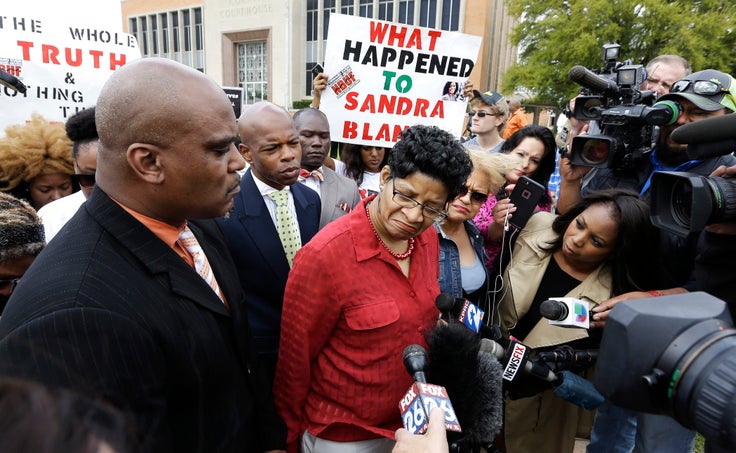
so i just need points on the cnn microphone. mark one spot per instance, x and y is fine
(422, 397)
(566, 312)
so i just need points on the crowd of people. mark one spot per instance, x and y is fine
(156, 295)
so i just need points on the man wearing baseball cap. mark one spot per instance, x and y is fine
(488, 115)
(701, 95)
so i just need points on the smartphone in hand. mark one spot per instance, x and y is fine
(525, 197)
(317, 69)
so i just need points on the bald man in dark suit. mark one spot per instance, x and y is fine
(123, 305)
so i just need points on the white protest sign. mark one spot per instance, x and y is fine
(385, 77)
(61, 56)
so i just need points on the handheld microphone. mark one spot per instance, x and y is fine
(421, 397)
(566, 312)
(460, 310)
(592, 81)
(565, 384)
(472, 379)
(516, 358)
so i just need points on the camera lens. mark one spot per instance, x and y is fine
(723, 192)
(595, 152)
(682, 196)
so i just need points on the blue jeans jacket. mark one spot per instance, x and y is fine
(450, 277)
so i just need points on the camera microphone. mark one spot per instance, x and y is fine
(592, 81)
(11, 82)
(709, 130)
(566, 312)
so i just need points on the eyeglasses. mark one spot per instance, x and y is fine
(483, 114)
(405, 201)
(475, 197)
(704, 87)
(9, 285)
(85, 180)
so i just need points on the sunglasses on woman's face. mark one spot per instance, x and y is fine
(475, 197)
(85, 180)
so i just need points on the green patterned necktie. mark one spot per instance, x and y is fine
(286, 225)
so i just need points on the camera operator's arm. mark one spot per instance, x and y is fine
(434, 441)
(601, 312)
(319, 83)
(571, 176)
(571, 181)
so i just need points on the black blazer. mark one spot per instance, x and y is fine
(260, 259)
(110, 310)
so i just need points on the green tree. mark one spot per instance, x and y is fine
(554, 36)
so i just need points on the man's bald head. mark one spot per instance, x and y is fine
(270, 144)
(167, 134)
(256, 119)
(146, 101)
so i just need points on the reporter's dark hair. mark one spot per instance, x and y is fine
(81, 128)
(549, 158)
(634, 256)
(434, 152)
(42, 420)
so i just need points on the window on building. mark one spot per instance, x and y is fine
(164, 19)
(198, 40)
(143, 39)
(154, 35)
(451, 15)
(312, 29)
(386, 10)
(176, 34)
(428, 13)
(366, 8)
(406, 11)
(253, 70)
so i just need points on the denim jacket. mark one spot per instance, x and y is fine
(450, 276)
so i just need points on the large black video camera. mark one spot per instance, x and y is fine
(683, 203)
(628, 117)
(673, 355)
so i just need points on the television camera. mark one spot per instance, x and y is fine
(673, 355)
(629, 117)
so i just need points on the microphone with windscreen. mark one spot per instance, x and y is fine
(11, 82)
(710, 137)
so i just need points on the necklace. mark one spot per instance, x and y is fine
(397, 256)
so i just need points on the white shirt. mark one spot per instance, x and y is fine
(54, 215)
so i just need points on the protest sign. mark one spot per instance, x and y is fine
(384, 77)
(61, 56)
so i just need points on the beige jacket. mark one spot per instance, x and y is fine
(524, 274)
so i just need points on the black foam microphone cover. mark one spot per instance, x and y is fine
(553, 309)
(472, 380)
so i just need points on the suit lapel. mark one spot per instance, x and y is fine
(153, 253)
